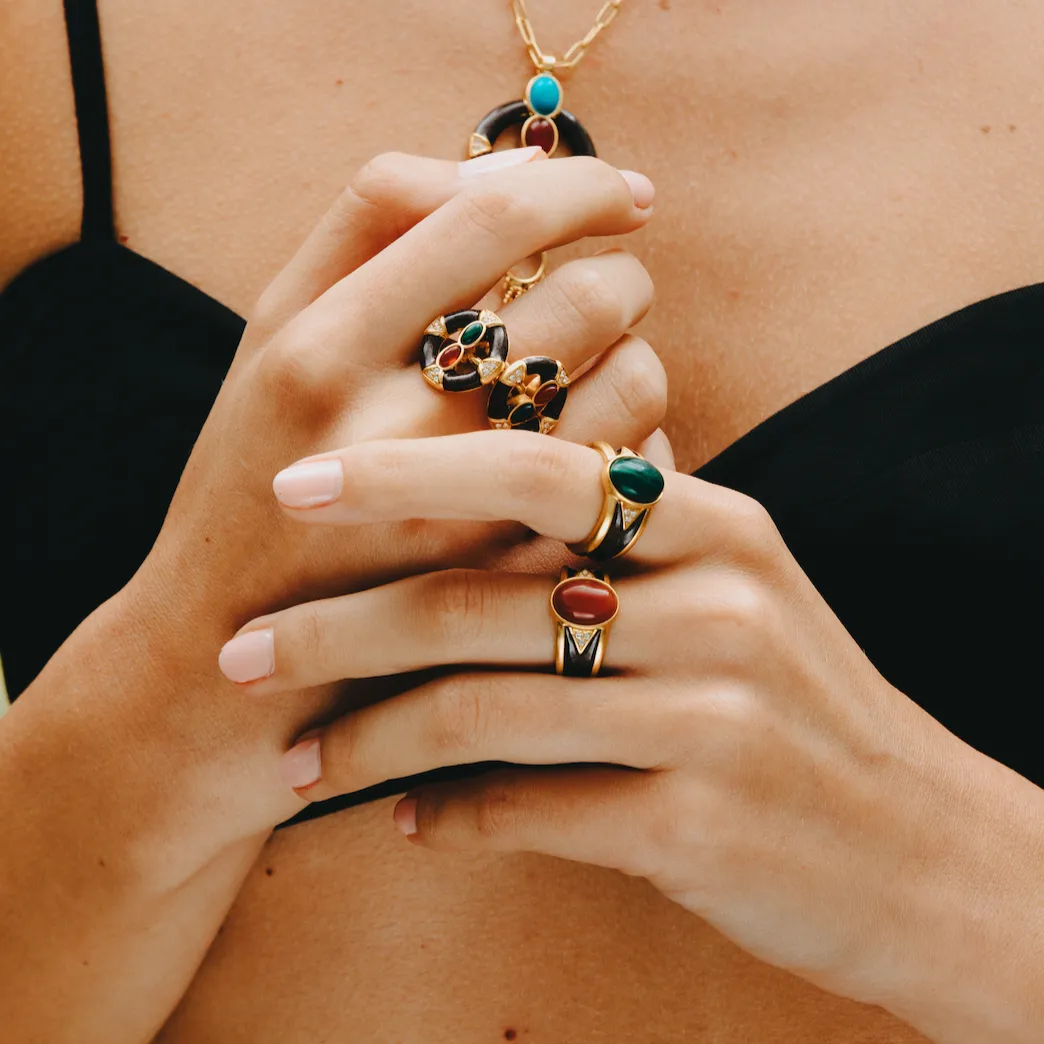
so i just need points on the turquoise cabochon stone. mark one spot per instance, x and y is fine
(635, 479)
(545, 95)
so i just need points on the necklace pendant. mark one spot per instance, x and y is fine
(541, 118)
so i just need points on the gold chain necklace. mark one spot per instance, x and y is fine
(543, 120)
(572, 58)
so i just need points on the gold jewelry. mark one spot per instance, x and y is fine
(464, 351)
(572, 58)
(632, 486)
(583, 605)
(515, 286)
(529, 395)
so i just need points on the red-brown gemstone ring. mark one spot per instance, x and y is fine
(583, 605)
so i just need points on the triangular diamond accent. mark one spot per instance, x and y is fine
(478, 145)
(582, 638)
(630, 515)
(547, 425)
(433, 375)
(489, 368)
(514, 374)
(437, 327)
(488, 318)
(500, 425)
(563, 379)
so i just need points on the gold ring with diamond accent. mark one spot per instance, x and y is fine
(583, 606)
(632, 486)
(515, 286)
(529, 395)
(464, 351)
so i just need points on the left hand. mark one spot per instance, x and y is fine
(741, 752)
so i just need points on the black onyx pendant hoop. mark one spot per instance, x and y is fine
(541, 118)
(631, 487)
(529, 396)
(464, 351)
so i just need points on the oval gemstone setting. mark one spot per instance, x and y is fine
(544, 95)
(472, 334)
(541, 132)
(583, 601)
(636, 480)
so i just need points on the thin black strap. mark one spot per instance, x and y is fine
(92, 118)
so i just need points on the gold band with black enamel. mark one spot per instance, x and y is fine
(632, 486)
(464, 351)
(583, 605)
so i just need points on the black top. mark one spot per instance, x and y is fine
(909, 488)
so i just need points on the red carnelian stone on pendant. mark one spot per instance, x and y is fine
(449, 357)
(584, 602)
(540, 132)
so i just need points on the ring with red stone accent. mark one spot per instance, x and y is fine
(464, 351)
(583, 605)
(632, 487)
(529, 395)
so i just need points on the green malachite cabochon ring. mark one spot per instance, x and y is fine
(632, 486)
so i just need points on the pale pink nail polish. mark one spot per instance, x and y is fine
(248, 657)
(642, 188)
(405, 816)
(309, 484)
(302, 764)
(472, 168)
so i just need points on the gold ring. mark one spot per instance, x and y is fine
(515, 286)
(464, 351)
(632, 486)
(583, 605)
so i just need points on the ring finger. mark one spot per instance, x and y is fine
(451, 618)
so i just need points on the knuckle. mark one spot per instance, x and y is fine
(295, 377)
(306, 641)
(499, 211)
(639, 383)
(538, 467)
(588, 295)
(453, 603)
(749, 520)
(738, 619)
(457, 716)
(496, 811)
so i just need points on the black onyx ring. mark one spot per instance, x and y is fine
(632, 486)
(529, 396)
(464, 351)
(583, 605)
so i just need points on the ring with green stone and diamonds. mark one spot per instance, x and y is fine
(464, 351)
(632, 486)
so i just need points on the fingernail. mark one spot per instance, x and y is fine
(405, 815)
(302, 764)
(310, 484)
(248, 657)
(472, 168)
(643, 190)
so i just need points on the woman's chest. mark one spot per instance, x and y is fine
(345, 932)
(804, 218)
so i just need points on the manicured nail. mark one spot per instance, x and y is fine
(248, 657)
(405, 815)
(303, 763)
(642, 188)
(472, 168)
(309, 484)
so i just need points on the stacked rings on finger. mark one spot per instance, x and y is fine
(631, 486)
(584, 606)
(468, 350)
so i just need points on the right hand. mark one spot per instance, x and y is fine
(329, 359)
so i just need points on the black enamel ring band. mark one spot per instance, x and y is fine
(632, 486)
(464, 351)
(583, 605)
